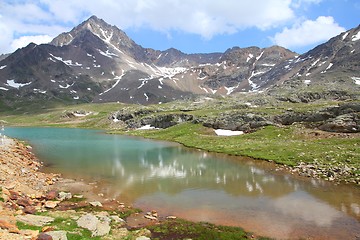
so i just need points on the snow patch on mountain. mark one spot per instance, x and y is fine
(356, 80)
(314, 63)
(117, 78)
(12, 83)
(258, 57)
(38, 91)
(142, 83)
(250, 56)
(146, 96)
(166, 72)
(2, 67)
(66, 86)
(107, 53)
(67, 62)
(355, 37)
(330, 65)
(268, 64)
(229, 90)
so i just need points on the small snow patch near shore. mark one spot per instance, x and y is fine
(223, 132)
(146, 127)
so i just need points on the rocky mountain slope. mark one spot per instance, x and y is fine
(97, 62)
(330, 70)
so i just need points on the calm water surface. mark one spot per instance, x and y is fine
(200, 186)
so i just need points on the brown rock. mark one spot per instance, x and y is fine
(13, 195)
(23, 202)
(51, 195)
(47, 229)
(29, 210)
(12, 228)
(44, 236)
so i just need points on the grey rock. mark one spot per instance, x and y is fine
(143, 238)
(88, 221)
(34, 220)
(117, 219)
(348, 123)
(64, 195)
(98, 227)
(57, 235)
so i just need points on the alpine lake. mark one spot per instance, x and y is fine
(198, 185)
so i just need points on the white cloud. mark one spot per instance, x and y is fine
(206, 18)
(308, 32)
(25, 40)
(202, 17)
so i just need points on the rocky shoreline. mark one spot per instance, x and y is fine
(31, 199)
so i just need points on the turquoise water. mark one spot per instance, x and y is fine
(198, 185)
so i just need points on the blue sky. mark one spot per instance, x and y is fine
(191, 26)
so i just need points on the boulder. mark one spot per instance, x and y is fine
(88, 221)
(34, 219)
(347, 123)
(236, 121)
(64, 195)
(57, 235)
(44, 236)
(98, 227)
(51, 204)
(29, 209)
(51, 195)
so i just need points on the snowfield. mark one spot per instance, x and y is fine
(224, 132)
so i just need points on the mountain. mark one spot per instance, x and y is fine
(97, 62)
(330, 68)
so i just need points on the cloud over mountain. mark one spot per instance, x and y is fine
(308, 32)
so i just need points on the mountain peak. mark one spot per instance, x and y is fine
(93, 23)
(97, 26)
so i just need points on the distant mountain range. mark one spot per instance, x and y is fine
(97, 62)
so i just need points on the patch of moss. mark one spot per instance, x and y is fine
(1, 196)
(182, 229)
(22, 225)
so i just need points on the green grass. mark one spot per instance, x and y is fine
(65, 224)
(1, 196)
(22, 225)
(285, 145)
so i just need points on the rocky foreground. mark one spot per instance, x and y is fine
(37, 205)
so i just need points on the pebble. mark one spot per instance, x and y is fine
(96, 204)
(51, 204)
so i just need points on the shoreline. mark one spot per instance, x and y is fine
(28, 193)
(26, 190)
